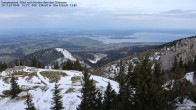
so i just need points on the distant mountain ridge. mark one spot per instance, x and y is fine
(91, 58)
(44, 56)
(184, 49)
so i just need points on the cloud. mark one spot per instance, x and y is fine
(180, 11)
(103, 14)
(53, 16)
(11, 15)
(170, 15)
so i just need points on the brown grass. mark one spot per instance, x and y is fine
(53, 76)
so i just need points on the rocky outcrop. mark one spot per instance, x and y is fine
(183, 48)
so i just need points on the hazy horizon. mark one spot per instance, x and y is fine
(104, 36)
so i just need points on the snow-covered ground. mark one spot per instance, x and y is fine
(41, 86)
(187, 105)
(66, 54)
(97, 57)
(112, 70)
(190, 77)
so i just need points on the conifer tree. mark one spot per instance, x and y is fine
(123, 89)
(109, 98)
(174, 65)
(76, 65)
(149, 91)
(130, 78)
(178, 72)
(64, 66)
(130, 85)
(89, 93)
(194, 64)
(159, 100)
(29, 103)
(181, 63)
(57, 103)
(99, 101)
(39, 64)
(69, 65)
(144, 85)
(86, 81)
(128, 98)
(158, 74)
(19, 62)
(34, 62)
(92, 95)
(15, 90)
(121, 75)
(3, 66)
(56, 65)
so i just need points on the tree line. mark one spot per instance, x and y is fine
(3, 66)
(67, 65)
(70, 65)
(141, 89)
(179, 68)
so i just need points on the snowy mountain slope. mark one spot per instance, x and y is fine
(97, 57)
(112, 69)
(40, 84)
(66, 53)
(48, 57)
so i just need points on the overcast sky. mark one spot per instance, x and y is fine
(104, 14)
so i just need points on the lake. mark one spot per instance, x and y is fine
(142, 37)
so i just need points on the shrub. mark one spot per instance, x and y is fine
(75, 78)
(7, 92)
(70, 90)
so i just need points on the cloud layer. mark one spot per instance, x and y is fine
(102, 14)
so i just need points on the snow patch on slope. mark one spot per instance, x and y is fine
(66, 54)
(97, 57)
(187, 105)
(190, 77)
